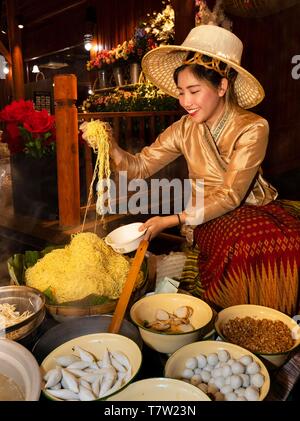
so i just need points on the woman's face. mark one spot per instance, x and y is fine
(199, 98)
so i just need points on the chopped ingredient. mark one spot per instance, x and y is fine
(9, 316)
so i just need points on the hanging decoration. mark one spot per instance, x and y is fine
(257, 8)
(205, 16)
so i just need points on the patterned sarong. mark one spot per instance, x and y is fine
(250, 255)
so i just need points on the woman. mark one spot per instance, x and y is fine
(248, 243)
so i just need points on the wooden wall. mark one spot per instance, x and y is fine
(269, 45)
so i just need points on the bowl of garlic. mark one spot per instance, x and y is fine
(169, 321)
(224, 371)
(90, 367)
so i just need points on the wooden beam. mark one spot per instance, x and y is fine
(65, 96)
(15, 51)
(5, 53)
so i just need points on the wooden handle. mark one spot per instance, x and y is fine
(128, 287)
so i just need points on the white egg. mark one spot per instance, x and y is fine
(191, 363)
(187, 373)
(235, 381)
(201, 360)
(230, 361)
(246, 359)
(205, 376)
(251, 394)
(196, 379)
(231, 396)
(197, 370)
(253, 368)
(240, 391)
(226, 371)
(212, 359)
(257, 380)
(226, 389)
(208, 368)
(217, 372)
(227, 380)
(220, 382)
(241, 398)
(246, 379)
(211, 381)
(237, 368)
(223, 356)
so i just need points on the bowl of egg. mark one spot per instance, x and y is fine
(224, 371)
(90, 367)
(266, 332)
(169, 321)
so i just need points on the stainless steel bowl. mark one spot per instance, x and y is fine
(24, 298)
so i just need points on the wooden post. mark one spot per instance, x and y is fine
(65, 95)
(184, 18)
(14, 37)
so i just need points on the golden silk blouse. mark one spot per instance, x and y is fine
(227, 157)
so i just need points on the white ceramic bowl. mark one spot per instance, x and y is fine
(19, 365)
(96, 344)
(145, 310)
(176, 362)
(260, 312)
(125, 239)
(160, 389)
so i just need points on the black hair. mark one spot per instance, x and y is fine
(210, 75)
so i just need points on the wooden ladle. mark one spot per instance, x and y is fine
(123, 301)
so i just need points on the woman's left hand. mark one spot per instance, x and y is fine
(155, 225)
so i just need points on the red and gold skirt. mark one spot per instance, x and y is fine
(250, 255)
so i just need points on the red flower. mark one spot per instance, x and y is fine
(38, 122)
(11, 136)
(17, 111)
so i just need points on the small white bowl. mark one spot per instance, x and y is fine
(125, 239)
(176, 363)
(146, 307)
(160, 389)
(260, 312)
(96, 344)
(19, 365)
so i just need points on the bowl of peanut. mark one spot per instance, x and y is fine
(266, 332)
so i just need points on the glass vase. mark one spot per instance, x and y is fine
(135, 71)
(118, 75)
(102, 78)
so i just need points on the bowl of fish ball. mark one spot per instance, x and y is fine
(169, 321)
(22, 310)
(20, 377)
(222, 370)
(160, 389)
(90, 367)
(266, 332)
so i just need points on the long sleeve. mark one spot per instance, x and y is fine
(152, 158)
(239, 175)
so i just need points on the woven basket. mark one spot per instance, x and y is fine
(256, 8)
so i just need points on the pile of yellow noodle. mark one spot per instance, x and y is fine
(86, 266)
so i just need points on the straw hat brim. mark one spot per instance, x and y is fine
(160, 63)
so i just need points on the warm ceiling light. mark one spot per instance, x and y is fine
(6, 69)
(35, 69)
(88, 38)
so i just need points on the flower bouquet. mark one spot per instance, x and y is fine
(28, 130)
